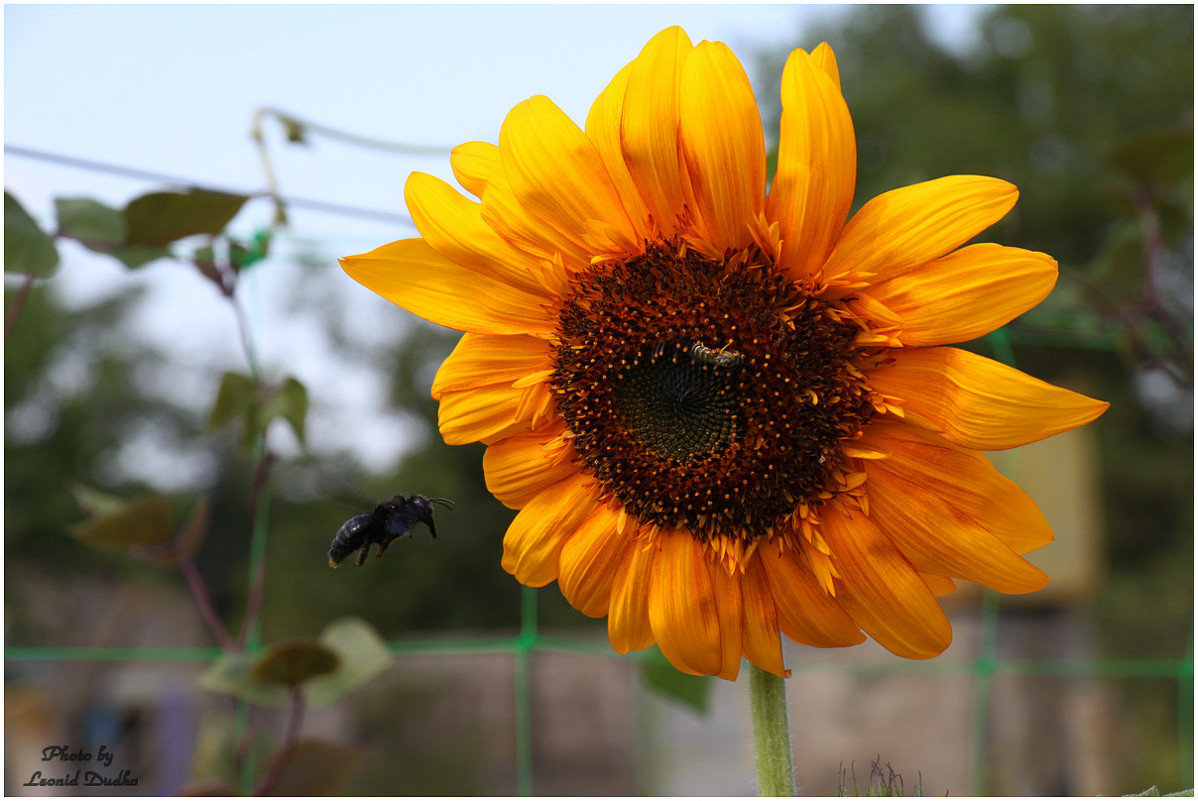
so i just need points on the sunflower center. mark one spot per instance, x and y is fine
(704, 394)
(680, 402)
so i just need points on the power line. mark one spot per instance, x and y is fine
(157, 177)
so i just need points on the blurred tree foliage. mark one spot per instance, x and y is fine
(73, 400)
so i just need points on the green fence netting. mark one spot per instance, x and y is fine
(983, 668)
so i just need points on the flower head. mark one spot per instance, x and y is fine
(725, 413)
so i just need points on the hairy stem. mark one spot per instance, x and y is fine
(771, 733)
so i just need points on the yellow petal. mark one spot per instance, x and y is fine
(503, 212)
(939, 585)
(881, 589)
(628, 616)
(411, 274)
(453, 226)
(682, 610)
(964, 478)
(909, 227)
(806, 614)
(559, 178)
(481, 414)
(762, 645)
(523, 465)
(979, 403)
(603, 128)
(590, 560)
(825, 59)
(723, 145)
(967, 294)
(937, 537)
(476, 165)
(817, 165)
(534, 541)
(482, 359)
(649, 127)
(729, 606)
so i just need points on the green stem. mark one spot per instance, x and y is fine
(771, 733)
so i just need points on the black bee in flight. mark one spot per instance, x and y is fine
(389, 520)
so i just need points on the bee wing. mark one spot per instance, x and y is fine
(401, 520)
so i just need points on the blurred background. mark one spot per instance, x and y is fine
(116, 380)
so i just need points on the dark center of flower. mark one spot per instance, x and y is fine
(705, 394)
(680, 402)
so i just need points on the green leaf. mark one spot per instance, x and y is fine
(363, 656)
(293, 662)
(159, 218)
(235, 400)
(290, 402)
(95, 225)
(317, 768)
(144, 521)
(139, 255)
(184, 544)
(359, 653)
(667, 681)
(241, 398)
(103, 230)
(27, 248)
(95, 503)
(230, 675)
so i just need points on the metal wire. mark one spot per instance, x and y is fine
(322, 206)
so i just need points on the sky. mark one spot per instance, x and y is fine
(173, 89)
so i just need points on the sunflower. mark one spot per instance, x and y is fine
(726, 413)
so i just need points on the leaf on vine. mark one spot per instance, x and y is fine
(292, 662)
(97, 226)
(290, 402)
(363, 656)
(160, 218)
(141, 522)
(27, 248)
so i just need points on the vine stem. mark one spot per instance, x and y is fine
(18, 302)
(294, 722)
(199, 591)
(771, 733)
(345, 136)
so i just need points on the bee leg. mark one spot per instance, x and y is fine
(362, 555)
(432, 529)
(382, 547)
